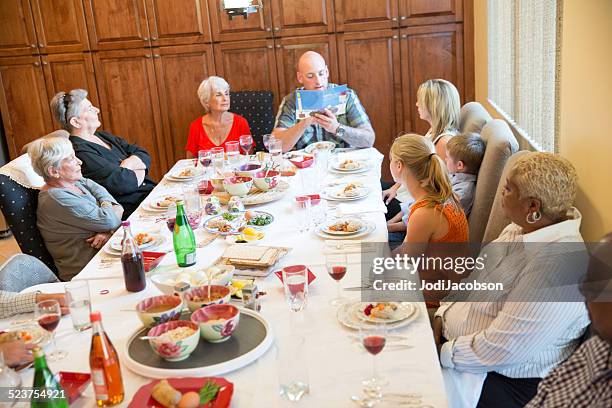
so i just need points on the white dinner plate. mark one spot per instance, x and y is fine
(346, 315)
(115, 244)
(336, 194)
(361, 165)
(404, 311)
(177, 174)
(320, 146)
(370, 227)
(160, 203)
(326, 229)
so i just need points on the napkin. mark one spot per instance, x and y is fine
(360, 208)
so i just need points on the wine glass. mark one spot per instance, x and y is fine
(232, 149)
(275, 147)
(218, 157)
(303, 206)
(266, 140)
(171, 216)
(48, 314)
(246, 145)
(336, 265)
(373, 338)
(295, 282)
(205, 158)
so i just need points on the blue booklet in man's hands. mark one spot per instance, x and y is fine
(308, 103)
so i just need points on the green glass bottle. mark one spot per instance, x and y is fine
(183, 238)
(45, 383)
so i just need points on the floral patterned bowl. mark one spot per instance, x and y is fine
(174, 350)
(217, 322)
(198, 297)
(266, 180)
(159, 309)
(238, 186)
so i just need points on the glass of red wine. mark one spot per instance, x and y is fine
(336, 264)
(373, 338)
(246, 145)
(171, 216)
(48, 314)
(205, 159)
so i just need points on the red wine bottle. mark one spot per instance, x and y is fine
(132, 261)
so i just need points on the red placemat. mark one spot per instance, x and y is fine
(143, 397)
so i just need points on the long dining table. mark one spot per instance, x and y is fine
(336, 362)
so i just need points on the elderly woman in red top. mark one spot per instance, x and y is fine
(218, 126)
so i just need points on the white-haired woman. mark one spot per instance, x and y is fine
(518, 336)
(217, 126)
(75, 215)
(120, 167)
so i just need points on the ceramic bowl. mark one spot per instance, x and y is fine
(216, 322)
(167, 308)
(197, 297)
(248, 170)
(238, 186)
(174, 350)
(264, 181)
(166, 281)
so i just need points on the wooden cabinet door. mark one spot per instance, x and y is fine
(64, 72)
(60, 25)
(248, 65)
(129, 101)
(174, 22)
(23, 101)
(289, 50)
(255, 26)
(116, 24)
(17, 35)
(179, 71)
(358, 15)
(302, 17)
(429, 52)
(370, 64)
(422, 12)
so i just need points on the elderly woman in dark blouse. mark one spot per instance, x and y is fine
(75, 215)
(108, 160)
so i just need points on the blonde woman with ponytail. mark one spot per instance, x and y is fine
(438, 104)
(436, 215)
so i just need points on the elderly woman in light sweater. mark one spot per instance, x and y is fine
(75, 215)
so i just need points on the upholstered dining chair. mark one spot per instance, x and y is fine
(500, 145)
(13, 278)
(473, 117)
(18, 202)
(257, 108)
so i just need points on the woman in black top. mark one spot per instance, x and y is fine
(110, 161)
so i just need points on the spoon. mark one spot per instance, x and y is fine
(148, 337)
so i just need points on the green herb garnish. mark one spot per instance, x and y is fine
(208, 392)
(260, 220)
(229, 216)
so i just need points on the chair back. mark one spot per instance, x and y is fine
(22, 271)
(257, 108)
(473, 117)
(18, 203)
(500, 145)
(497, 220)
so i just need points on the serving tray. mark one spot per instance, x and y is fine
(250, 340)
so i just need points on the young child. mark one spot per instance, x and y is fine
(435, 214)
(464, 154)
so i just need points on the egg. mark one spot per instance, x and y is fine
(248, 215)
(190, 399)
(249, 231)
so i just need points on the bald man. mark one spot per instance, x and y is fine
(351, 129)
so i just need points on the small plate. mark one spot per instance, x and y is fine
(115, 244)
(32, 333)
(235, 224)
(143, 398)
(404, 311)
(320, 146)
(346, 316)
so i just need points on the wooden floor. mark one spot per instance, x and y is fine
(8, 248)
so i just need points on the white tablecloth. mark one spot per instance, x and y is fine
(336, 363)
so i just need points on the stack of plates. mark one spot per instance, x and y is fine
(351, 315)
(113, 247)
(359, 229)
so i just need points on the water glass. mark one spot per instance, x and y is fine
(309, 180)
(295, 283)
(79, 303)
(276, 151)
(266, 140)
(233, 152)
(218, 158)
(193, 206)
(292, 361)
(303, 209)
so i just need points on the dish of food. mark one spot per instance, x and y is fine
(344, 227)
(166, 201)
(218, 275)
(349, 165)
(320, 146)
(30, 333)
(208, 392)
(348, 314)
(350, 191)
(143, 240)
(383, 312)
(235, 223)
(258, 218)
(322, 232)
